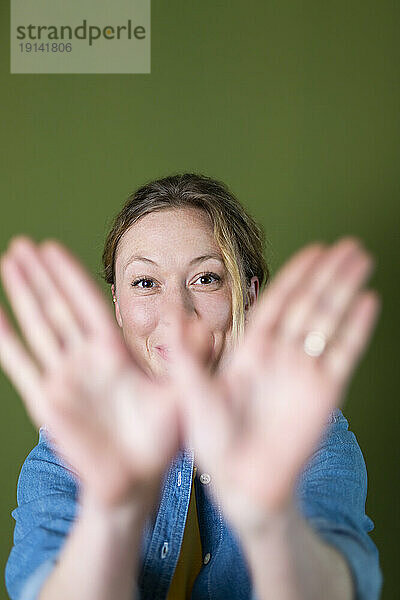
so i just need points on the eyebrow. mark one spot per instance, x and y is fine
(194, 261)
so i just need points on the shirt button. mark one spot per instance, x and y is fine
(206, 558)
(205, 478)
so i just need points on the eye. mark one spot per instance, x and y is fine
(144, 279)
(209, 276)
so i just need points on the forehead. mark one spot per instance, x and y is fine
(181, 230)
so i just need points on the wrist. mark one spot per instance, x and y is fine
(257, 524)
(124, 516)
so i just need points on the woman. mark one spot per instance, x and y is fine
(179, 457)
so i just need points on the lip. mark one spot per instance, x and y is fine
(164, 352)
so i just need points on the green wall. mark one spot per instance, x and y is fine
(294, 104)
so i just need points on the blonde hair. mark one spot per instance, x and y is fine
(240, 239)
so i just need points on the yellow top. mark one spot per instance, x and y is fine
(190, 557)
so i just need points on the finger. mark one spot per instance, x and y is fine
(52, 302)
(288, 278)
(21, 370)
(205, 417)
(342, 355)
(327, 310)
(200, 341)
(273, 300)
(32, 322)
(78, 287)
(316, 286)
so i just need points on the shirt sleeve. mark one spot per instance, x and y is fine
(332, 491)
(47, 503)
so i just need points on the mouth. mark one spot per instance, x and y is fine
(164, 352)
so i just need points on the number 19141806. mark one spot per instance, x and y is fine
(46, 47)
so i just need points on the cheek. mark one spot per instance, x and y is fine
(217, 314)
(218, 317)
(139, 318)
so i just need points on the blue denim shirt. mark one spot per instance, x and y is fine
(330, 491)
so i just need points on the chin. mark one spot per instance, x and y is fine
(158, 370)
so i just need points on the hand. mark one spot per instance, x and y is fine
(254, 425)
(114, 426)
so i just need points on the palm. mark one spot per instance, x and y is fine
(101, 411)
(281, 407)
(255, 424)
(114, 426)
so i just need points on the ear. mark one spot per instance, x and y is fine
(116, 306)
(251, 297)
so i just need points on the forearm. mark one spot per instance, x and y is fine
(289, 561)
(99, 558)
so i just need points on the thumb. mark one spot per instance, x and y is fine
(191, 342)
(191, 350)
(199, 340)
(201, 401)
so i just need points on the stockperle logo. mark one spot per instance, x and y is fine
(85, 36)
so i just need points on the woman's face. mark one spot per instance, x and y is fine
(171, 257)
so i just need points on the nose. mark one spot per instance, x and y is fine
(180, 311)
(179, 305)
